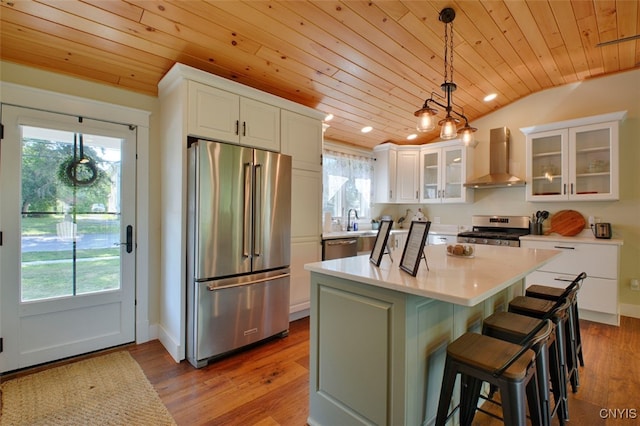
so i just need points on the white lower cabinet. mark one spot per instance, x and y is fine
(398, 242)
(437, 239)
(598, 296)
(306, 247)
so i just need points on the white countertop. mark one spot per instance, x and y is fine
(463, 281)
(438, 229)
(355, 234)
(586, 237)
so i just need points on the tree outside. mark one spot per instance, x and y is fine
(58, 189)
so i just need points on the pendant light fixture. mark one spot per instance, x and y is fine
(427, 114)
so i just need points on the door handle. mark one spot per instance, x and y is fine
(129, 240)
(257, 214)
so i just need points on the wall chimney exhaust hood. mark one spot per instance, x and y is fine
(499, 175)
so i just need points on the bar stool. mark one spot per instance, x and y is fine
(553, 293)
(510, 367)
(513, 328)
(540, 308)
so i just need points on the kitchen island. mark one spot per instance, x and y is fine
(379, 335)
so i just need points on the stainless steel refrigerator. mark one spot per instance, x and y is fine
(238, 253)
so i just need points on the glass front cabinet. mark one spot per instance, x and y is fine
(573, 160)
(444, 172)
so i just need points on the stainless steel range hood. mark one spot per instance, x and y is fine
(499, 175)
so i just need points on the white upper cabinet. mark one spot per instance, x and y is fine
(444, 170)
(385, 173)
(302, 139)
(225, 116)
(433, 173)
(574, 160)
(407, 175)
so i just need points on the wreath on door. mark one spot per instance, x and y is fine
(78, 169)
(75, 171)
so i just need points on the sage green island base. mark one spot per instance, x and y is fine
(379, 335)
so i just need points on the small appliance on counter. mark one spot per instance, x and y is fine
(601, 230)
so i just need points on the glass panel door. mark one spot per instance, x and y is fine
(70, 227)
(592, 165)
(547, 164)
(430, 175)
(453, 183)
(67, 210)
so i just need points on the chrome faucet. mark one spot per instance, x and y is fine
(349, 225)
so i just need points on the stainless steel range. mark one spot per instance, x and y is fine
(496, 230)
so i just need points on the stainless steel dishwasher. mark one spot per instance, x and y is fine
(339, 248)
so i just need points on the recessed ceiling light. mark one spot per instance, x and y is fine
(412, 136)
(490, 97)
(366, 129)
(328, 117)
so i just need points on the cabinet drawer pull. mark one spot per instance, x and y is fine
(566, 280)
(564, 247)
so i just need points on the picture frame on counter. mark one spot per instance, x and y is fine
(414, 248)
(381, 247)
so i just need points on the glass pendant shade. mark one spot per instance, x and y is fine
(448, 130)
(426, 119)
(467, 135)
(467, 138)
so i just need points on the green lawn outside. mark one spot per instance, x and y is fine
(49, 274)
(55, 279)
(45, 224)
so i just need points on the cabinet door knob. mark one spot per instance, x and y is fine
(237, 127)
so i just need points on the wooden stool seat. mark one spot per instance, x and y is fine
(508, 366)
(554, 293)
(544, 292)
(488, 354)
(513, 328)
(538, 308)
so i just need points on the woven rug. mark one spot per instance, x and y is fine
(107, 390)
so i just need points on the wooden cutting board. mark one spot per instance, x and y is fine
(566, 223)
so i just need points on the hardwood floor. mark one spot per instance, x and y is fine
(267, 385)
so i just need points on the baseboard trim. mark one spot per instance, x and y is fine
(169, 344)
(294, 316)
(629, 310)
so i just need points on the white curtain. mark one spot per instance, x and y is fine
(347, 183)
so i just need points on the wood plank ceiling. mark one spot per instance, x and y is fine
(366, 62)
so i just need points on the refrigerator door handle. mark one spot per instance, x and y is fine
(259, 280)
(257, 224)
(246, 228)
